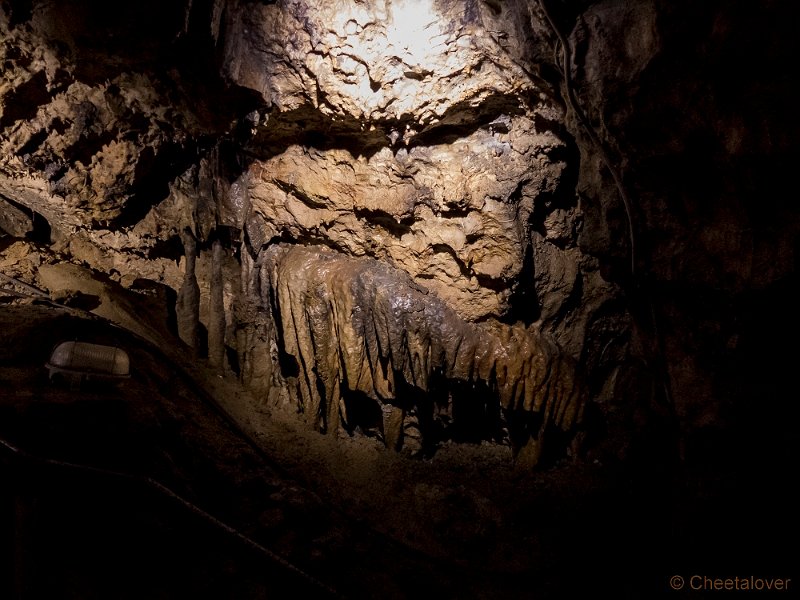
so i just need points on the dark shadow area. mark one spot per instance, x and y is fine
(24, 100)
(153, 174)
(525, 305)
(309, 127)
(84, 533)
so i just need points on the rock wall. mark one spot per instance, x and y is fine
(681, 114)
(425, 145)
(588, 172)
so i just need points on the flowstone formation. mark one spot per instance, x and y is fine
(409, 143)
(426, 149)
(358, 325)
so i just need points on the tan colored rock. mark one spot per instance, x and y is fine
(401, 132)
(401, 60)
(427, 153)
(454, 216)
(355, 324)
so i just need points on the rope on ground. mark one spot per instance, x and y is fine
(180, 500)
(27, 287)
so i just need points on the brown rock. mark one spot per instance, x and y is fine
(357, 325)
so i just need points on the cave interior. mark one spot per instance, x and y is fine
(456, 298)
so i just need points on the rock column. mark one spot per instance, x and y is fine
(187, 308)
(216, 315)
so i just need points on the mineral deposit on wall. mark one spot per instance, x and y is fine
(407, 144)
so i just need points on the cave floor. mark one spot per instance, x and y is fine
(325, 516)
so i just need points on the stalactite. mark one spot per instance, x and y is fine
(216, 319)
(359, 325)
(187, 308)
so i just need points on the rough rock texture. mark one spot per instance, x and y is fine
(100, 113)
(372, 62)
(611, 173)
(463, 232)
(425, 144)
(604, 187)
(356, 325)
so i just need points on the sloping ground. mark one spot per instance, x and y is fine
(114, 532)
(350, 516)
(99, 535)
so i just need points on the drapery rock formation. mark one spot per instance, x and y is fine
(357, 325)
(586, 169)
(463, 232)
(409, 134)
(425, 145)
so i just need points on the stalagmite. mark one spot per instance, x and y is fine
(187, 308)
(216, 319)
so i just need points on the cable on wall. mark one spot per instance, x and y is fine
(572, 102)
(566, 59)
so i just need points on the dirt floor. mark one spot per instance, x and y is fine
(176, 484)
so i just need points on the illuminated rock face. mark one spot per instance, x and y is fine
(448, 142)
(456, 216)
(433, 137)
(402, 134)
(358, 325)
(428, 148)
(408, 61)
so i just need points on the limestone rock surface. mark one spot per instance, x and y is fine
(456, 216)
(358, 325)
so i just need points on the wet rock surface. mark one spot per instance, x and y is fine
(611, 176)
(356, 325)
